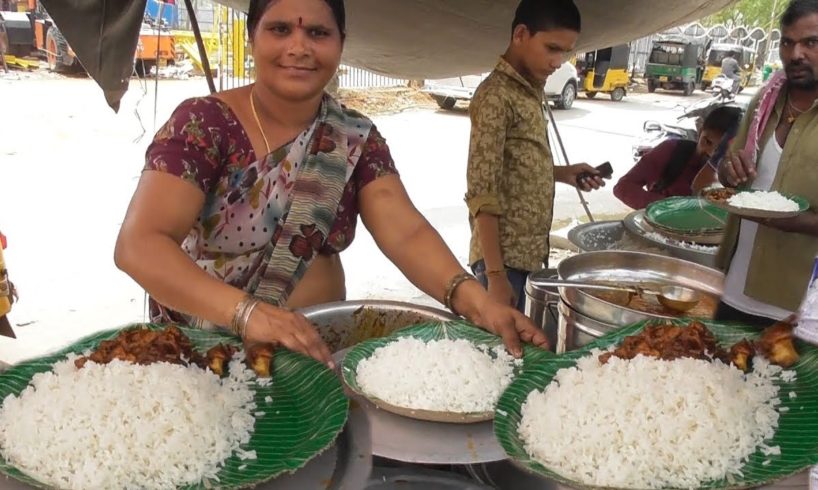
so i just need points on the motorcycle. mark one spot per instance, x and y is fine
(686, 127)
(722, 88)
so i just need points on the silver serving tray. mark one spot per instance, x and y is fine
(636, 224)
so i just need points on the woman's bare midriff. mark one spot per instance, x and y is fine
(322, 283)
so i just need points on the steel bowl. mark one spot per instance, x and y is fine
(346, 323)
(631, 267)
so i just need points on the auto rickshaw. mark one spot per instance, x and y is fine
(606, 71)
(675, 64)
(744, 55)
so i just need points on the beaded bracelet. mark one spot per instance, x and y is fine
(454, 283)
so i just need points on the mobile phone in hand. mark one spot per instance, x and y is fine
(605, 171)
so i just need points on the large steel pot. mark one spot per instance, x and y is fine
(577, 330)
(630, 267)
(541, 303)
(346, 323)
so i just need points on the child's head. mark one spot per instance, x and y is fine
(543, 33)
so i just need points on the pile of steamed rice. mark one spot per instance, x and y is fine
(649, 423)
(439, 375)
(764, 201)
(128, 426)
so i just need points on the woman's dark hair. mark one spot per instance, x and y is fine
(798, 9)
(724, 120)
(258, 7)
(547, 15)
(681, 154)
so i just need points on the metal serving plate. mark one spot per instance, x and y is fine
(636, 224)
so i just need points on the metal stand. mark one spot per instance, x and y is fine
(550, 116)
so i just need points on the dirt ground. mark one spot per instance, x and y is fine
(387, 100)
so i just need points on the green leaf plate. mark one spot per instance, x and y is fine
(427, 332)
(307, 413)
(803, 206)
(686, 215)
(797, 433)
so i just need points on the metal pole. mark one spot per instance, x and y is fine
(565, 159)
(768, 49)
(194, 24)
(158, 51)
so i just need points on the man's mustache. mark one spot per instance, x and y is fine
(792, 65)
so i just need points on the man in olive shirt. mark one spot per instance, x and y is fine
(511, 175)
(769, 261)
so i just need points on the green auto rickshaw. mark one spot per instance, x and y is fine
(675, 64)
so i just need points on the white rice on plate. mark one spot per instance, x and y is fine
(650, 423)
(763, 201)
(441, 375)
(127, 426)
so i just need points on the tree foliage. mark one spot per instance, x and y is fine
(749, 13)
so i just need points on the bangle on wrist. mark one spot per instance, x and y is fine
(452, 286)
(241, 315)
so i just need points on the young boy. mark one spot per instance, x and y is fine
(511, 175)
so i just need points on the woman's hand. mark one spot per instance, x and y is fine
(478, 307)
(277, 326)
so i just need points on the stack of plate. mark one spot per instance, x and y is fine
(687, 219)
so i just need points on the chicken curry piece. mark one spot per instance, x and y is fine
(776, 344)
(144, 346)
(670, 342)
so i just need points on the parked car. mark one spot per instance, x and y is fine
(560, 88)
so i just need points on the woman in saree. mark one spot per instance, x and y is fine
(249, 195)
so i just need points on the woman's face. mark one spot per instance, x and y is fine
(708, 142)
(297, 48)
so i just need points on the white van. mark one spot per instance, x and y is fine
(560, 88)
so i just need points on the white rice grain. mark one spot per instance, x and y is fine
(762, 200)
(127, 426)
(649, 423)
(441, 375)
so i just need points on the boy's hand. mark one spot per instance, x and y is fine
(580, 175)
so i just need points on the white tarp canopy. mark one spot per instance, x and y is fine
(430, 39)
(419, 39)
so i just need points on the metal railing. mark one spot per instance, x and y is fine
(358, 78)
